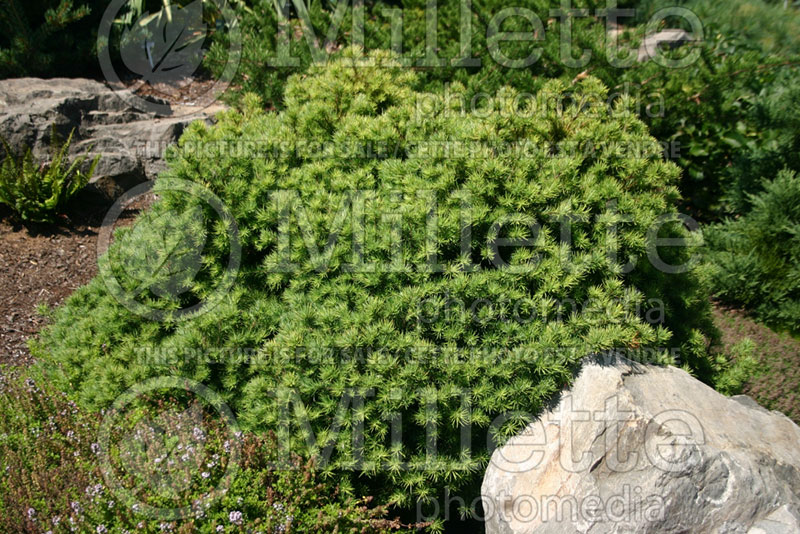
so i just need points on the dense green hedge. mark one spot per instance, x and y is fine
(415, 341)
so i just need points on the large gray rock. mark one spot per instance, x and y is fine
(634, 448)
(131, 142)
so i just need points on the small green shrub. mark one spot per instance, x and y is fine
(52, 478)
(737, 367)
(755, 259)
(369, 317)
(774, 383)
(37, 192)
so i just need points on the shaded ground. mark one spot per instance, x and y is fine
(777, 385)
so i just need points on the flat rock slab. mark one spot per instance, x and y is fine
(646, 449)
(131, 142)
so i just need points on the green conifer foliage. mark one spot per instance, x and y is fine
(755, 260)
(411, 312)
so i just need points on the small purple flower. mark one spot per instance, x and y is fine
(101, 529)
(31, 385)
(205, 474)
(31, 514)
(95, 448)
(94, 491)
(235, 517)
(220, 528)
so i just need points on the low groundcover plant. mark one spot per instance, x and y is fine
(53, 481)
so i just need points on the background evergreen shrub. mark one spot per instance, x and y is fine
(405, 338)
(49, 37)
(755, 259)
(774, 114)
(767, 24)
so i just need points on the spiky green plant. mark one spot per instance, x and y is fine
(755, 259)
(38, 192)
(376, 291)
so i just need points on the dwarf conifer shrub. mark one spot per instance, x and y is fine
(699, 111)
(412, 282)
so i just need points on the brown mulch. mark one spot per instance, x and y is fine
(186, 97)
(777, 384)
(44, 264)
(40, 264)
